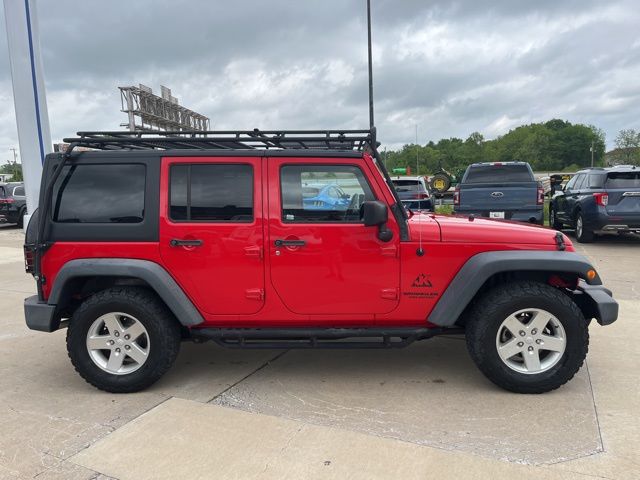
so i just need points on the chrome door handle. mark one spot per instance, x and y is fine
(185, 243)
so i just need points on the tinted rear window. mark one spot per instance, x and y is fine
(2, 194)
(623, 180)
(212, 193)
(408, 186)
(88, 193)
(498, 173)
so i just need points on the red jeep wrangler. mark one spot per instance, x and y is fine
(290, 239)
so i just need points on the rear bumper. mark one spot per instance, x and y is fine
(529, 215)
(40, 316)
(603, 221)
(597, 302)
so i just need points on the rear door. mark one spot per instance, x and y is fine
(323, 260)
(211, 231)
(623, 189)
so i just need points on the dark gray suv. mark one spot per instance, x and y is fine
(598, 200)
(13, 203)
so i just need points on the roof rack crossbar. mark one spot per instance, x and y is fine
(225, 140)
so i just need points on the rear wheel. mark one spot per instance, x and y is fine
(21, 217)
(583, 234)
(527, 337)
(122, 339)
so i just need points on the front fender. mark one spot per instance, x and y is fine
(479, 268)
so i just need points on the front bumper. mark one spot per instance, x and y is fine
(597, 302)
(40, 315)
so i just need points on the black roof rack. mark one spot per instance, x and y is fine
(227, 140)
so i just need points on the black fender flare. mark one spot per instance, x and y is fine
(479, 268)
(150, 272)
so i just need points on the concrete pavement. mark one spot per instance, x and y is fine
(422, 412)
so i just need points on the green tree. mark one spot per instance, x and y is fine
(13, 168)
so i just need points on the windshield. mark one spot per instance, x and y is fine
(623, 180)
(497, 173)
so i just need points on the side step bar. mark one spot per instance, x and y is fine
(285, 338)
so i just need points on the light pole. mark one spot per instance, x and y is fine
(417, 164)
(591, 153)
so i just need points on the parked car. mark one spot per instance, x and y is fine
(207, 238)
(500, 190)
(325, 197)
(414, 193)
(598, 200)
(13, 203)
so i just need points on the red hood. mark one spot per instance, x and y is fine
(482, 230)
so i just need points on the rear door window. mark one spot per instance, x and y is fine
(498, 173)
(93, 193)
(211, 193)
(18, 192)
(579, 182)
(623, 180)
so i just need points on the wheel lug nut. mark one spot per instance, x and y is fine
(531, 349)
(127, 337)
(127, 347)
(117, 334)
(118, 350)
(534, 331)
(111, 342)
(539, 342)
(522, 333)
(520, 344)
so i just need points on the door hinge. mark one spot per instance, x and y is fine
(254, 251)
(254, 293)
(389, 251)
(389, 293)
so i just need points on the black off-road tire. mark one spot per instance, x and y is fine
(583, 235)
(553, 219)
(162, 327)
(488, 313)
(440, 176)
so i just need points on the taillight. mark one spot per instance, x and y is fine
(421, 195)
(602, 199)
(540, 195)
(6, 200)
(29, 259)
(456, 196)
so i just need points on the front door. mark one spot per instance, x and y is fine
(323, 260)
(211, 231)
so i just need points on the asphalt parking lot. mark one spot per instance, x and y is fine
(421, 412)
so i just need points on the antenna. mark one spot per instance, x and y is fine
(371, 122)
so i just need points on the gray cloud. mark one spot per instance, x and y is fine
(449, 67)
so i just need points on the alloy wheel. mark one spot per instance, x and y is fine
(118, 343)
(531, 341)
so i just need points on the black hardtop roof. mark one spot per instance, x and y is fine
(245, 142)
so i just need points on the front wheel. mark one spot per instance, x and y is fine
(122, 339)
(527, 337)
(553, 219)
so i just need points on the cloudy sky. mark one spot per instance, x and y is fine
(450, 67)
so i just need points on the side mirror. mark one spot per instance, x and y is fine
(374, 213)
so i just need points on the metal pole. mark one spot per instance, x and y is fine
(371, 122)
(591, 153)
(417, 164)
(29, 96)
(15, 156)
